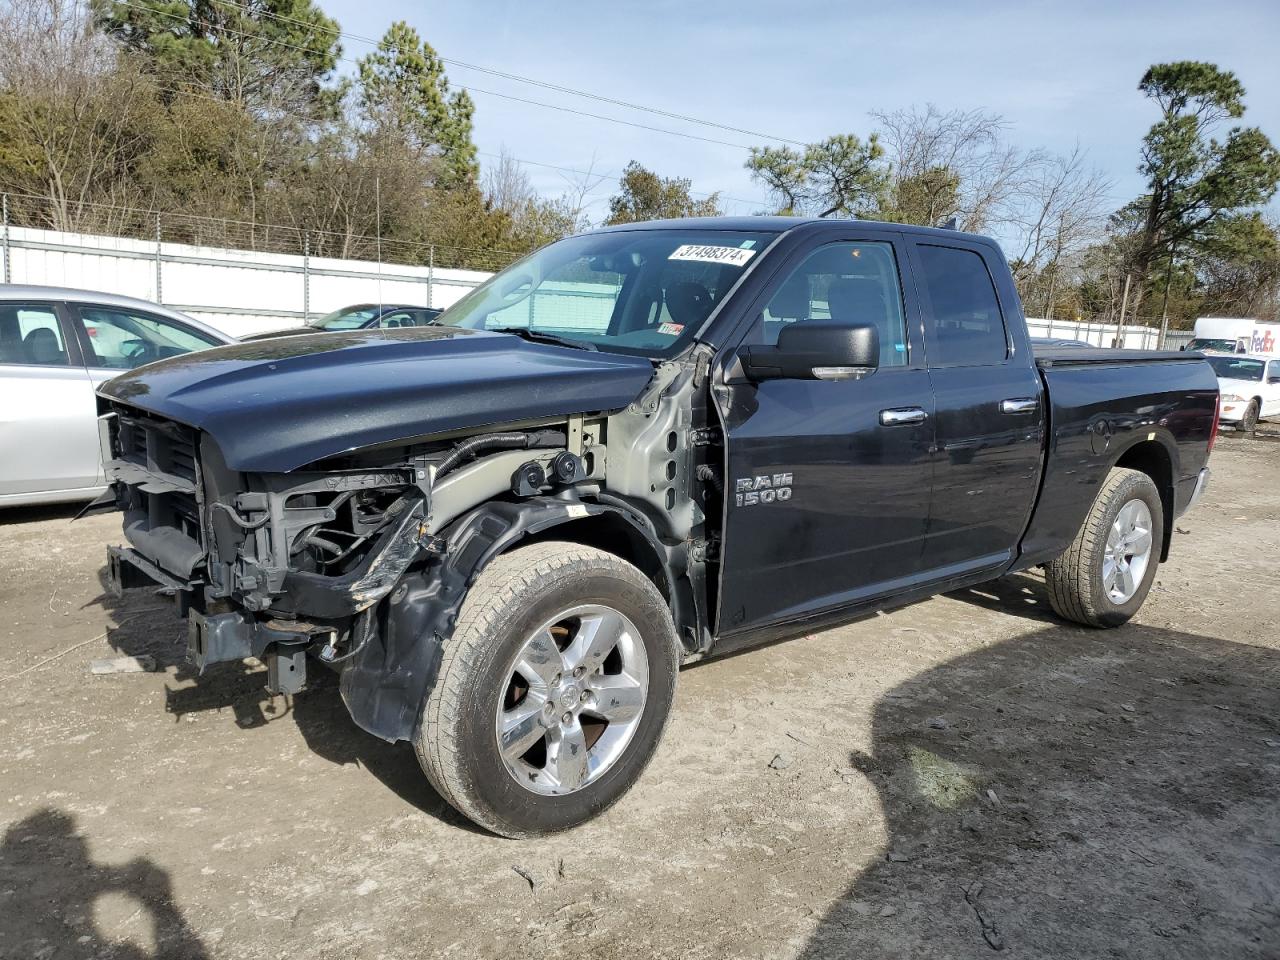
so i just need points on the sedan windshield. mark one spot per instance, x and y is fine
(348, 318)
(1216, 345)
(1236, 368)
(644, 292)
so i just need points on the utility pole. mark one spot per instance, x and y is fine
(8, 254)
(1124, 308)
(159, 263)
(306, 276)
(1164, 313)
(1048, 307)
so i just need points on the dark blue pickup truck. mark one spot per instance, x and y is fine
(635, 448)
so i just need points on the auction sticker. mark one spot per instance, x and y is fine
(735, 256)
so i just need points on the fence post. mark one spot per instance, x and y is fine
(159, 265)
(431, 274)
(8, 254)
(306, 277)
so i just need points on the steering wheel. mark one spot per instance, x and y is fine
(137, 352)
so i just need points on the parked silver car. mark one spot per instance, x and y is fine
(56, 346)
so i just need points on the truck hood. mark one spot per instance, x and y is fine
(277, 405)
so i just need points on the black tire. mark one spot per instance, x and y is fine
(1074, 579)
(456, 740)
(1249, 422)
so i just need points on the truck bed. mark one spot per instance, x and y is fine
(1047, 357)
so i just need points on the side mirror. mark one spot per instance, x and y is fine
(816, 350)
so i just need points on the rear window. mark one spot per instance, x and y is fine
(966, 324)
(31, 336)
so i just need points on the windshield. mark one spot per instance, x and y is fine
(1212, 344)
(348, 318)
(644, 292)
(1236, 368)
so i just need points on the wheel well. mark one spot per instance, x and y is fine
(611, 533)
(1150, 457)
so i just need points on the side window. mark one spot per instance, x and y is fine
(30, 335)
(122, 339)
(849, 282)
(965, 319)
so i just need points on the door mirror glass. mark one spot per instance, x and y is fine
(816, 350)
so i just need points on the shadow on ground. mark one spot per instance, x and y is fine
(1073, 793)
(56, 901)
(147, 626)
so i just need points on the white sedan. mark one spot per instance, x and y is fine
(1249, 388)
(56, 346)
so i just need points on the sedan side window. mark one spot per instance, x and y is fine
(847, 282)
(123, 339)
(30, 335)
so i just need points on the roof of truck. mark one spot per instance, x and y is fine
(781, 224)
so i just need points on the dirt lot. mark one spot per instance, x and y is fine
(951, 779)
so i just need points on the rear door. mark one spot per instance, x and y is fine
(48, 423)
(828, 492)
(989, 408)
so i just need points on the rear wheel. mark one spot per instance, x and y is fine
(553, 690)
(1249, 422)
(1104, 576)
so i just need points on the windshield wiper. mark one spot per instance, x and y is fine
(537, 336)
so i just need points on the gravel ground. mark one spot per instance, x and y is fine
(959, 777)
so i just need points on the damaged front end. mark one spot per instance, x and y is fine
(263, 565)
(286, 566)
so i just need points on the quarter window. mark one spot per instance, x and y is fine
(30, 335)
(847, 282)
(966, 325)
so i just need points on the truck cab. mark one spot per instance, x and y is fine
(637, 448)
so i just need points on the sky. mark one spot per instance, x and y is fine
(1060, 74)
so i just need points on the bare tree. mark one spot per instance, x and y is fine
(1059, 210)
(75, 111)
(954, 164)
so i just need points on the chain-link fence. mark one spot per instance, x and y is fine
(239, 276)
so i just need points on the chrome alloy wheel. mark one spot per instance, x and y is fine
(574, 697)
(1128, 552)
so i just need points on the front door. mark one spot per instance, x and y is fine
(990, 410)
(828, 491)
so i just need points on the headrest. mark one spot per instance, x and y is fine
(42, 346)
(688, 303)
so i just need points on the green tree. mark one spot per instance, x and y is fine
(643, 195)
(1239, 269)
(1194, 178)
(404, 93)
(839, 175)
(274, 56)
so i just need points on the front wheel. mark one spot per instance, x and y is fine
(1105, 575)
(553, 690)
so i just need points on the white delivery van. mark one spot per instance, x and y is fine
(1249, 389)
(1236, 335)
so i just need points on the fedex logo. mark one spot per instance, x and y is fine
(1262, 342)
